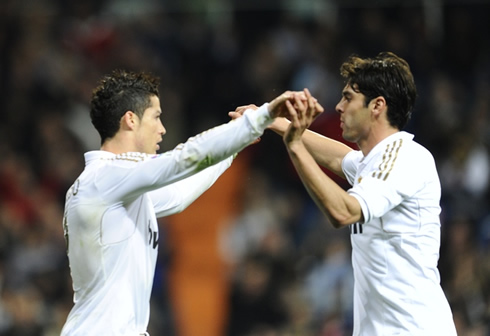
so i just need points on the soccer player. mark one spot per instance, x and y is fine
(111, 210)
(392, 208)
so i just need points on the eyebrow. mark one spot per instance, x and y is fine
(347, 93)
(350, 91)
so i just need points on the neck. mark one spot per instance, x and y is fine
(118, 145)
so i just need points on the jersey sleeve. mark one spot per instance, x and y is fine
(175, 197)
(132, 174)
(349, 165)
(387, 185)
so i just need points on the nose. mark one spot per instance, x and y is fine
(338, 107)
(162, 130)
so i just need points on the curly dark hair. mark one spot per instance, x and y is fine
(386, 75)
(117, 93)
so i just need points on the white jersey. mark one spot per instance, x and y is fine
(111, 227)
(396, 250)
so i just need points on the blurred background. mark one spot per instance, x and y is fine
(253, 256)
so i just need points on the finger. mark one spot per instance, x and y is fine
(311, 104)
(308, 100)
(316, 107)
(300, 95)
(309, 97)
(286, 96)
(234, 115)
(298, 103)
(252, 107)
(276, 106)
(242, 109)
(293, 114)
(319, 108)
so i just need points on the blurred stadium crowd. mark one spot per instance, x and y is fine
(289, 272)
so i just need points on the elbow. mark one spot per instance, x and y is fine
(349, 214)
(336, 225)
(343, 213)
(339, 221)
(336, 218)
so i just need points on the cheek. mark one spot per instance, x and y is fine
(348, 115)
(155, 126)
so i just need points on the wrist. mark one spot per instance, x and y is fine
(280, 125)
(260, 118)
(294, 146)
(269, 110)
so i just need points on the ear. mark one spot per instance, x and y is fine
(129, 120)
(378, 106)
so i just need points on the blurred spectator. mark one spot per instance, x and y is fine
(329, 286)
(255, 306)
(464, 277)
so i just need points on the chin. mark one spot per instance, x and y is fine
(348, 137)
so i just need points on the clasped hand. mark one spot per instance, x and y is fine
(300, 107)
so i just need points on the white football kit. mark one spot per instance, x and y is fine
(111, 227)
(395, 250)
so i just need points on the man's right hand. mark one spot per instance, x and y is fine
(277, 107)
(302, 115)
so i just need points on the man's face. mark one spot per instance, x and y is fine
(354, 115)
(150, 129)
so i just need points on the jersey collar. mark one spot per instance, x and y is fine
(97, 155)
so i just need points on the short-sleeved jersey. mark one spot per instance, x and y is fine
(395, 250)
(110, 222)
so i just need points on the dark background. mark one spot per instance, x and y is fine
(213, 56)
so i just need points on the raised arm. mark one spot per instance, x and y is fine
(337, 205)
(142, 173)
(326, 152)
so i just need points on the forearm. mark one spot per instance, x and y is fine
(205, 149)
(326, 152)
(220, 142)
(339, 207)
(177, 196)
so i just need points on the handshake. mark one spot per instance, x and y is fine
(294, 111)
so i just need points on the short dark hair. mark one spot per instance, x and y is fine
(385, 75)
(117, 93)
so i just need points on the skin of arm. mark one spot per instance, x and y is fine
(339, 207)
(327, 152)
